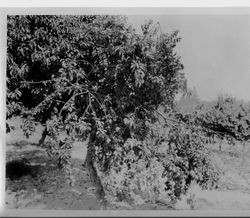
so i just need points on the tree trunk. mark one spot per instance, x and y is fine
(42, 139)
(89, 163)
(244, 146)
(220, 145)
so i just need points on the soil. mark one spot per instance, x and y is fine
(47, 187)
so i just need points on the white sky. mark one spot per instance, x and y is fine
(215, 51)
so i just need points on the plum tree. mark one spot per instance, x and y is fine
(92, 77)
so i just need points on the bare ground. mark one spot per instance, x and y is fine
(233, 193)
(49, 189)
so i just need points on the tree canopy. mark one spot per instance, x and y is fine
(75, 54)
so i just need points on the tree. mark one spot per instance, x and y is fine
(188, 101)
(226, 117)
(91, 77)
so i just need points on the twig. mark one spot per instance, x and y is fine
(89, 105)
(37, 82)
(73, 96)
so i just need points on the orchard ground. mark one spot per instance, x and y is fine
(49, 189)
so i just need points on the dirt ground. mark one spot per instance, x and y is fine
(49, 188)
(233, 193)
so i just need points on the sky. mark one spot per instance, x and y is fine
(215, 51)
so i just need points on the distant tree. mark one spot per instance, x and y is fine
(226, 117)
(188, 101)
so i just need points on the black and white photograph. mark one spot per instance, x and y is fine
(126, 111)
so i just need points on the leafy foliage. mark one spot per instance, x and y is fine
(162, 166)
(188, 160)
